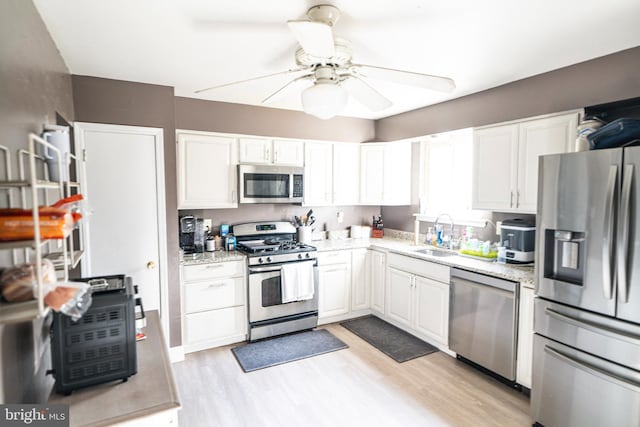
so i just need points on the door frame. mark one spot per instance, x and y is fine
(158, 134)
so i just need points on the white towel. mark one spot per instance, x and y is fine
(296, 281)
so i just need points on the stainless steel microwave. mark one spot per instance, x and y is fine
(270, 184)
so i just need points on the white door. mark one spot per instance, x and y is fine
(360, 289)
(495, 157)
(537, 138)
(207, 171)
(376, 277)
(288, 152)
(372, 174)
(399, 299)
(432, 309)
(317, 174)
(123, 182)
(254, 150)
(334, 287)
(346, 174)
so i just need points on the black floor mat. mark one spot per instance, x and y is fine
(275, 351)
(392, 341)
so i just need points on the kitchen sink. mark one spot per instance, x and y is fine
(435, 252)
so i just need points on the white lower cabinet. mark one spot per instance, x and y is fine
(213, 304)
(360, 290)
(334, 285)
(525, 337)
(376, 275)
(417, 297)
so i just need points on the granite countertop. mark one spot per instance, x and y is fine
(212, 257)
(517, 273)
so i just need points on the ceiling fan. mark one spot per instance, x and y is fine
(325, 71)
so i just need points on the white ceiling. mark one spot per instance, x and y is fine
(193, 44)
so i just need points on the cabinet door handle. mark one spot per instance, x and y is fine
(275, 156)
(266, 154)
(517, 199)
(511, 199)
(216, 285)
(214, 266)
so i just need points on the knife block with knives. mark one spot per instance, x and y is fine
(377, 227)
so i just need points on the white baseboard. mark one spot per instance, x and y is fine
(176, 354)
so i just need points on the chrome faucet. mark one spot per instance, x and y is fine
(435, 226)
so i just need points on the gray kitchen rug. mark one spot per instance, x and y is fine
(288, 348)
(394, 342)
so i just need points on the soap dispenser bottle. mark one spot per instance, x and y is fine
(430, 236)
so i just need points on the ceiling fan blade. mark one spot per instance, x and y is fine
(287, 89)
(294, 70)
(365, 94)
(316, 38)
(409, 78)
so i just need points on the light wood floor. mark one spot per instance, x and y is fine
(358, 386)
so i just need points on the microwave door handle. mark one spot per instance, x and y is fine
(291, 178)
(607, 246)
(624, 218)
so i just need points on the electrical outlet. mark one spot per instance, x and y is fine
(498, 227)
(207, 224)
(340, 217)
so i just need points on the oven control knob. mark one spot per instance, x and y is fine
(307, 255)
(299, 256)
(268, 259)
(260, 260)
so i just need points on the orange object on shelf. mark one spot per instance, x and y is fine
(377, 233)
(17, 224)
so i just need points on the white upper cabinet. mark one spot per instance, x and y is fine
(266, 151)
(288, 152)
(446, 171)
(207, 171)
(495, 154)
(505, 161)
(385, 173)
(318, 180)
(331, 173)
(346, 174)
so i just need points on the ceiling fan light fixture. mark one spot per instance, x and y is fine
(324, 99)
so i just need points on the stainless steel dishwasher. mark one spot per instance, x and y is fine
(483, 321)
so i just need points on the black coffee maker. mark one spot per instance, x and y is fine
(191, 234)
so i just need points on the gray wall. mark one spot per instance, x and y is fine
(195, 114)
(127, 103)
(606, 79)
(35, 87)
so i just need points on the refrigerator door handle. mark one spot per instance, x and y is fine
(624, 217)
(594, 327)
(593, 370)
(607, 246)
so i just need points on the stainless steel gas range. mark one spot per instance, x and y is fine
(272, 251)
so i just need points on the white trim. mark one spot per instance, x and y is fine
(467, 222)
(176, 354)
(158, 134)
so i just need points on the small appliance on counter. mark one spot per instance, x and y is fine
(378, 227)
(518, 237)
(192, 234)
(101, 346)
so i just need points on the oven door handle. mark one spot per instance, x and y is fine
(263, 269)
(268, 269)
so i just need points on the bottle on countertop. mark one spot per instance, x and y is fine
(230, 243)
(430, 236)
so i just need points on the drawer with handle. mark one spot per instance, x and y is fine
(214, 294)
(334, 257)
(214, 270)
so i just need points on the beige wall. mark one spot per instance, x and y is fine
(35, 87)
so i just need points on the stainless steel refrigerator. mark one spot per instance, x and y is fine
(586, 367)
